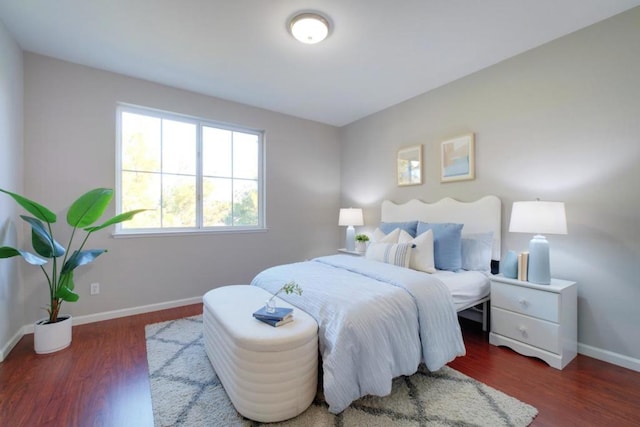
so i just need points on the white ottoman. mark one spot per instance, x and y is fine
(270, 374)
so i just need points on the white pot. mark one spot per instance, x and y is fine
(51, 337)
(361, 246)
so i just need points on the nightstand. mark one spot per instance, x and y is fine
(356, 253)
(536, 320)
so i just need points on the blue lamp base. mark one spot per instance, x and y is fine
(350, 242)
(539, 269)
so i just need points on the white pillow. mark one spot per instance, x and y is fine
(380, 237)
(390, 253)
(422, 253)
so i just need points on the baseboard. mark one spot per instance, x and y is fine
(610, 357)
(115, 314)
(587, 350)
(4, 352)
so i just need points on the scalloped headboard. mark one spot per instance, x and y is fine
(480, 216)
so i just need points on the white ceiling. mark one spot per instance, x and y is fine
(379, 52)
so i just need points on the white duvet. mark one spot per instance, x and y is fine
(376, 321)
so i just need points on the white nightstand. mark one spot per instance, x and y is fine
(356, 253)
(536, 320)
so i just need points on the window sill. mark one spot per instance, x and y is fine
(174, 233)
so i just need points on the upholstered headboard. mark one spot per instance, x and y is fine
(480, 216)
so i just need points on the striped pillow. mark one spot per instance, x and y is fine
(422, 252)
(391, 253)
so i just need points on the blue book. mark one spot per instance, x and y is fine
(276, 323)
(280, 313)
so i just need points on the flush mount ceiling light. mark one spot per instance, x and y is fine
(309, 27)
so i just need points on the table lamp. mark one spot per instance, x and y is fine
(538, 217)
(350, 217)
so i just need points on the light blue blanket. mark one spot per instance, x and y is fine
(376, 321)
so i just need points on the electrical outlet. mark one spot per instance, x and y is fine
(95, 288)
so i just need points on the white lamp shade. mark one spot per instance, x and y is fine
(309, 28)
(350, 216)
(538, 217)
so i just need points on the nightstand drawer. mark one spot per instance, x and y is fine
(532, 302)
(535, 332)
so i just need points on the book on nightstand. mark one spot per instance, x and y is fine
(523, 266)
(279, 313)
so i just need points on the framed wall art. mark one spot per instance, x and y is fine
(457, 159)
(410, 165)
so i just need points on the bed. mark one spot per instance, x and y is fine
(471, 291)
(378, 320)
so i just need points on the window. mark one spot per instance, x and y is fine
(193, 174)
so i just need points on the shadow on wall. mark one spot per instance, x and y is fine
(598, 260)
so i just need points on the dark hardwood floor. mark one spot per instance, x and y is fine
(101, 380)
(587, 392)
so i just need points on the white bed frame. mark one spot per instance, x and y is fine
(480, 216)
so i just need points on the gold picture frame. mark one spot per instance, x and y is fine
(457, 159)
(409, 165)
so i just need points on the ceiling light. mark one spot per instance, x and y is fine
(309, 27)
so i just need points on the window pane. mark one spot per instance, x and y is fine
(140, 142)
(178, 147)
(216, 152)
(245, 155)
(178, 201)
(216, 201)
(167, 159)
(141, 190)
(245, 202)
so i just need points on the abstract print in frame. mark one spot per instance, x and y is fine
(457, 159)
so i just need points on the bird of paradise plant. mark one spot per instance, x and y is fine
(85, 211)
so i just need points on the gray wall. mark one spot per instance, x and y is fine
(560, 122)
(70, 148)
(11, 146)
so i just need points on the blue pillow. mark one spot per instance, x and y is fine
(447, 244)
(409, 226)
(476, 251)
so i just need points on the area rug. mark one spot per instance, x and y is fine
(185, 391)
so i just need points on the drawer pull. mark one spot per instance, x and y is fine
(522, 330)
(523, 302)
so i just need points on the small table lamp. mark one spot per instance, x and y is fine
(350, 217)
(538, 217)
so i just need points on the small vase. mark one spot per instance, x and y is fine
(510, 265)
(270, 305)
(361, 246)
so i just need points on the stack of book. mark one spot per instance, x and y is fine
(280, 316)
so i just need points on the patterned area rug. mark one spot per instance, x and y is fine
(185, 391)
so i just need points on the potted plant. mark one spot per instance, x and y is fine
(361, 242)
(54, 332)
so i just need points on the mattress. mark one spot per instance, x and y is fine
(466, 287)
(373, 317)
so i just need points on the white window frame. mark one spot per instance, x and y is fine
(200, 123)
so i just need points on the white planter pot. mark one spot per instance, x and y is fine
(361, 246)
(51, 337)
